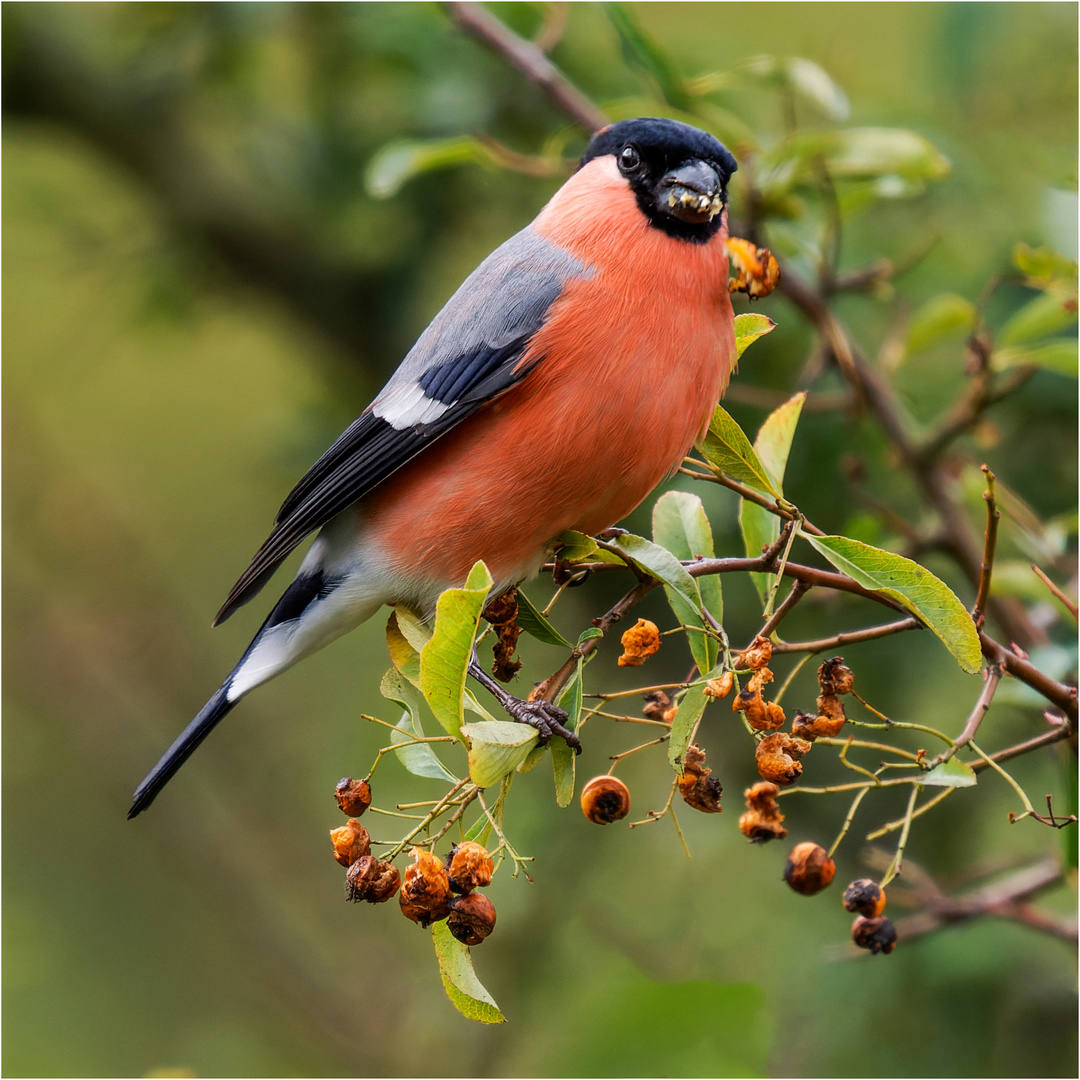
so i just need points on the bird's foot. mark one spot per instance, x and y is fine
(547, 718)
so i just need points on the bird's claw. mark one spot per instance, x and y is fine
(547, 718)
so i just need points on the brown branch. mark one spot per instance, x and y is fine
(976, 716)
(838, 641)
(529, 59)
(753, 496)
(986, 570)
(1047, 738)
(1055, 590)
(798, 591)
(1060, 694)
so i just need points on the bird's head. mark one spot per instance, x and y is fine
(678, 174)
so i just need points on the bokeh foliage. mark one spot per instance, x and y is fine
(201, 291)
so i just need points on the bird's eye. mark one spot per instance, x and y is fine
(629, 159)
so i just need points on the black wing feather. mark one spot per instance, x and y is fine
(371, 449)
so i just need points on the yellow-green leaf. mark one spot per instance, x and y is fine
(444, 660)
(577, 547)
(465, 991)
(951, 773)
(939, 316)
(400, 161)
(533, 623)
(563, 756)
(912, 586)
(1041, 317)
(659, 563)
(418, 758)
(1060, 356)
(748, 328)
(497, 747)
(681, 526)
(726, 448)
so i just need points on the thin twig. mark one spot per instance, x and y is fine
(838, 641)
(986, 570)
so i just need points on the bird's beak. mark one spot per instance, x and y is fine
(692, 193)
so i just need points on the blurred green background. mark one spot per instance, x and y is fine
(200, 293)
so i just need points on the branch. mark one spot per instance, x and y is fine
(530, 60)
(838, 641)
(993, 516)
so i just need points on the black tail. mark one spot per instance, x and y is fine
(180, 750)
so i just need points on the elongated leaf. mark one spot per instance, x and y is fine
(444, 660)
(577, 547)
(532, 622)
(563, 756)
(497, 747)
(913, 586)
(658, 562)
(682, 726)
(951, 773)
(729, 450)
(681, 526)
(1060, 356)
(1043, 265)
(806, 78)
(419, 758)
(465, 991)
(399, 162)
(773, 445)
(1039, 318)
(939, 316)
(643, 51)
(406, 635)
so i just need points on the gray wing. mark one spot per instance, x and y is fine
(470, 353)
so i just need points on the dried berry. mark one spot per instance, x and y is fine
(761, 715)
(605, 799)
(371, 880)
(425, 891)
(865, 897)
(639, 643)
(809, 868)
(353, 796)
(469, 867)
(351, 842)
(835, 677)
(756, 271)
(502, 614)
(828, 722)
(657, 705)
(778, 758)
(472, 918)
(720, 688)
(698, 787)
(762, 820)
(878, 934)
(756, 655)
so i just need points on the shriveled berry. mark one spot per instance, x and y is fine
(698, 787)
(865, 897)
(469, 867)
(605, 799)
(720, 688)
(835, 677)
(809, 868)
(353, 796)
(639, 643)
(472, 918)
(371, 880)
(656, 705)
(351, 841)
(756, 655)
(762, 820)
(425, 890)
(778, 758)
(877, 934)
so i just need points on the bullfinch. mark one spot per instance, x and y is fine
(568, 375)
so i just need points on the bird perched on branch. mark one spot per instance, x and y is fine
(568, 375)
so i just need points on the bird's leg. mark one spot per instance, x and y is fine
(545, 716)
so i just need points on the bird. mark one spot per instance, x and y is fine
(568, 375)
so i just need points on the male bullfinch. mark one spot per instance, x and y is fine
(568, 375)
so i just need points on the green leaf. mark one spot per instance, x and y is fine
(563, 756)
(729, 450)
(589, 634)
(951, 773)
(497, 747)
(406, 635)
(681, 526)
(659, 563)
(1059, 356)
(532, 622)
(577, 547)
(642, 51)
(682, 726)
(444, 660)
(759, 528)
(1045, 315)
(1042, 264)
(911, 585)
(748, 328)
(463, 988)
(937, 317)
(811, 82)
(419, 758)
(399, 162)
(863, 153)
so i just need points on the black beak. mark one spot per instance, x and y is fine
(692, 193)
